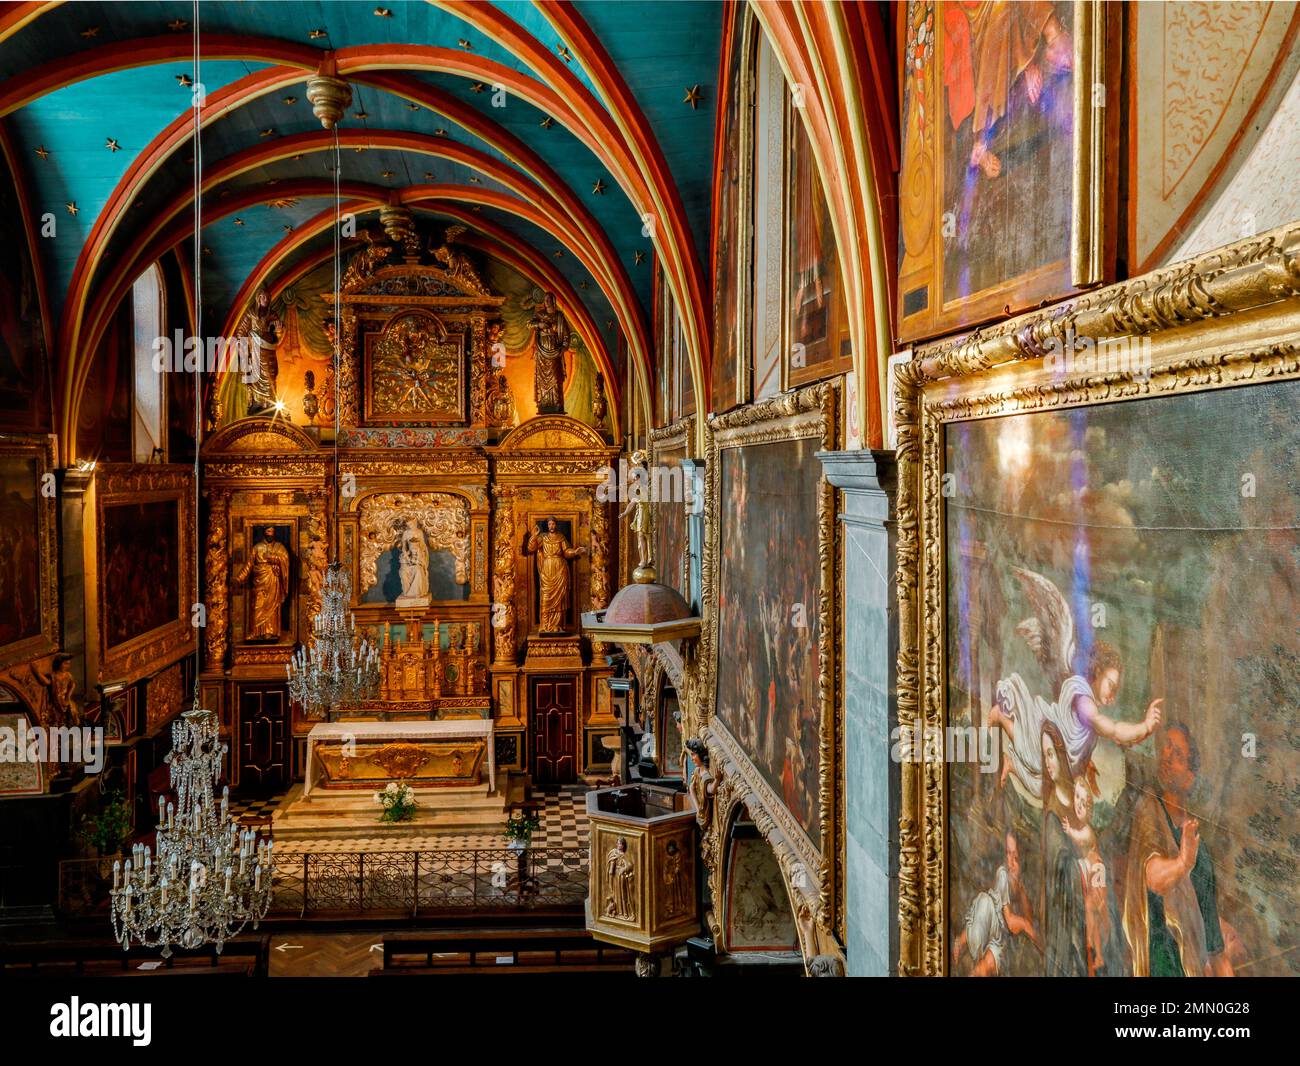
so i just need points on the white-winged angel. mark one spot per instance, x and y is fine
(1077, 709)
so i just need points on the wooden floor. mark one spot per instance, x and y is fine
(325, 954)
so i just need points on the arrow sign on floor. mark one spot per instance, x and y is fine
(288, 947)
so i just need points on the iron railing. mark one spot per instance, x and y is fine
(414, 882)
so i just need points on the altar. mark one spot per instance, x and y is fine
(367, 755)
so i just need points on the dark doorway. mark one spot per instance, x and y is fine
(263, 739)
(553, 720)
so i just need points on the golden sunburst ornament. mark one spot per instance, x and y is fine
(599, 187)
(111, 144)
(383, 12)
(72, 207)
(240, 222)
(547, 122)
(693, 97)
(90, 31)
(289, 100)
(478, 87)
(639, 257)
(440, 132)
(562, 50)
(315, 35)
(42, 151)
(184, 81)
(176, 25)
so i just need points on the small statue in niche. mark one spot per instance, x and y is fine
(263, 333)
(551, 339)
(268, 564)
(413, 566)
(598, 403)
(310, 401)
(640, 508)
(620, 891)
(675, 901)
(553, 553)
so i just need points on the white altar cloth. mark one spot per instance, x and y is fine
(450, 727)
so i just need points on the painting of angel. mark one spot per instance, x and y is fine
(1120, 634)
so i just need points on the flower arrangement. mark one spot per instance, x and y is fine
(520, 826)
(398, 801)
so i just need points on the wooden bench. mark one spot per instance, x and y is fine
(486, 951)
(246, 956)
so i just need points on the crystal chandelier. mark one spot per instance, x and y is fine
(339, 666)
(211, 878)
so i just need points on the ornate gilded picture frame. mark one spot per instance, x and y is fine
(29, 606)
(1097, 652)
(144, 526)
(772, 725)
(414, 368)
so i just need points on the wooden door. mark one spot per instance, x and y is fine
(553, 718)
(263, 739)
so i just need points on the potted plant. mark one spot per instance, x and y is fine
(108, 829)
(398, 801)
(519, 834)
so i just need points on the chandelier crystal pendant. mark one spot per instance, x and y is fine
(339, 666)
(209, 877)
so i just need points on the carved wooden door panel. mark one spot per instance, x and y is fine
(553, 718)
(263, 739)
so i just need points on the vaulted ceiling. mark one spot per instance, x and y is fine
(576, 138)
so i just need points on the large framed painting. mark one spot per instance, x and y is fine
(816, 324)
(144, 540)
(1099, 663)
(29, 590)
(1004, 186)
(24, 380)
(769, 551)
(734, 223)
(668, 447)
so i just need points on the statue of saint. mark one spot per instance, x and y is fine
(268, 563)
(553, 553)
(551, 340)
(620, 891)
(639, 507)
(674, 881)
(413, 566)
(61, 709)
(263, 330)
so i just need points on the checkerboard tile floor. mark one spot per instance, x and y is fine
(563, 825)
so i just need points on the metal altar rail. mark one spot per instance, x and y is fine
(375, 883)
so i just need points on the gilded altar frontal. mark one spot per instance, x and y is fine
(651, 488)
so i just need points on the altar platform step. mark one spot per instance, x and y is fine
(338, 815)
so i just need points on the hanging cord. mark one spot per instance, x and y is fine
(197, 102)
(338, 324)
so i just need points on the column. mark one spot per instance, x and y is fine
(871, 777)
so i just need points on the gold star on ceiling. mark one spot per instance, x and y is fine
(464, 43)
(547, 122)
(111, 144)
(362, 115)
(315, 35)
(564, 53)
(477, 209)
(475, 179)
(359, 149)
(411, 105)
(478, 87)
(268, 132)
(383, 12)
(239, 222)
(609, 323)
(440, 132)
(184, 81)
(290, 100)
(599, 187)
(693, 97)
(559, 253)
(640, 255)
(90, 31)
(582, 284)
(287, 228)
(72, 207)
(274, 181)
(283, 202)
(428, 175)
(386, 173)
(42, 151)
(176, 25)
